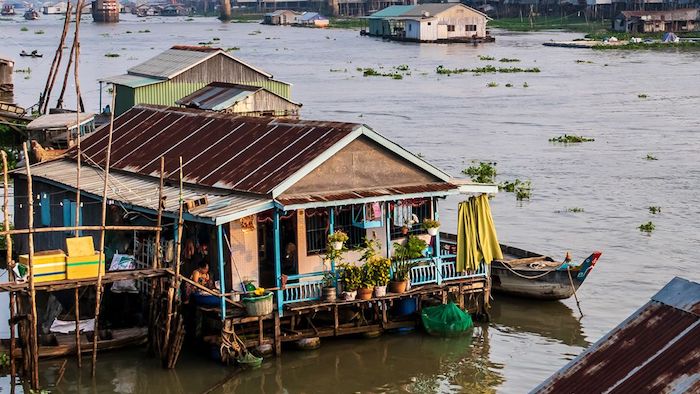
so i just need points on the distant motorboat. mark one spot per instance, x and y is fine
(33, 53)
(31, 14)
(8, 10)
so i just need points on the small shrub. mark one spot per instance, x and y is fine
(484, 172)
(654, 210)
(570, 139)
(647, 227)
(650, 157)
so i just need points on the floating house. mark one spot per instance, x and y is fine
(60, 130)
(447, 22)
(679, 20)
(263, 194)
(7, 86)
(656, 350)
(105, 11)
(180, 71)
(58, 8)
(311, 19)
(280, 17)
(242, 100)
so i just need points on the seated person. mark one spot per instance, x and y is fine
(201, 277)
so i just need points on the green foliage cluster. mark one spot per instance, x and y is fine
(570, 139)
(110, 54)
(647, 227)
(509, 60)
(350, 276)
(486, 58)
(492, 84)
(484, 172)
(371, 72)
(430, 223)
(485, 69)
(654, 210)
(650, 157)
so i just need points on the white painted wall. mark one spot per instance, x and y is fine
(244, 246)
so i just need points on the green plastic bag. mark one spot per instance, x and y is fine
(446, 320)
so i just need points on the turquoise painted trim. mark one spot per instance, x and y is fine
(45, 209)
(222, 279)
(278, 261)
(324, 204)
(307, 275)
(437, 251)
(331, 230)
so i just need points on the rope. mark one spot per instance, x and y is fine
(230, 347)
(230, 249)
(578, 305)
(532, 277)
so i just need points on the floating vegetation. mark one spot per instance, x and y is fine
(574, 210)
(24, 28)
(508, 60)
(109, 54)
(642, 96)
(486, 58)
(484, 172)
(585, 61)
(525, 85)
(205, 43)
(570, 139)
(189, 19)
(255, 32)
(24, 70)
(647, 227)
(104, 34)
(38, 32)
(402, 67)
(509, 85)
(231, 49)
(370, 72)
(216, 39)
(486, 69)
(523, 190)
(338, 70)
(128, 32)
(654, 210)
(144, 31)
(650, 157)
(492, 84)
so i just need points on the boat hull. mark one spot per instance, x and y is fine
(554, 285)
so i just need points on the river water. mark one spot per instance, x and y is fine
(452, 120)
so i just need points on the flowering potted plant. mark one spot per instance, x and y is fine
(408, 223)
(433, 226)
(337, 239)
(258, 302)
(364, 292)
(350, 277)
(381, 268)
(328, 289)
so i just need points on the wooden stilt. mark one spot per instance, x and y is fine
(278, 335)
(174, 291)
(76, 46)
(100, 263)
(76, 43)
(33, 341)
(55, 64)
(152, 326)
(77, 327)
(10, 261)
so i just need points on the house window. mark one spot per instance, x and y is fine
(409, 27)
(420, 208)
(317, 229)
(45, 202)
(470, 27)
(343, 222)
(450, 27)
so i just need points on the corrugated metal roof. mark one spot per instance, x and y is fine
(682, 14)
(58, 121)
(132, 81)
(218, 96)
(655, 350)
(179, 59)
(395, 192)
(392, 11)
(142, 191)
(434, 9)
(251, 154)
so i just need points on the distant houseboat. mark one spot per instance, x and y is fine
(280, 17)
(8, 10)
(58, 8)
(31, 14)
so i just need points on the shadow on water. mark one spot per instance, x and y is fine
(548, 319)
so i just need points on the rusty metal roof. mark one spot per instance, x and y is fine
(655, 350)
(218, 96)
(295, 201)
(250, 154)
(136, 191)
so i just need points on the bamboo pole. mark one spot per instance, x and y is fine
(57, 57)
(33, 342)
(10, 262)
(59, 102)
(173, 296)
(77, 328)
(76, 46)
(156, 260)
(76, 43)
(100, 271)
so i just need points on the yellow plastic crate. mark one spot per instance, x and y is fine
(48, 265)
(80, 246)
(80, 267)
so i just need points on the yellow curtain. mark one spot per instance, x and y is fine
(476, 234)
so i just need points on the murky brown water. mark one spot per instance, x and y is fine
(451, 121)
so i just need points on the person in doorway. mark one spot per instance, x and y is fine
(290, 265)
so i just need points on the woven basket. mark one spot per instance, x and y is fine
(258, 306)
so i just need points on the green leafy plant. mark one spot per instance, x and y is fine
(24, 28)
(654, 210)
(647, 227)
(328, 279)
(642, 96)
(402, 67)
(231, 49)
(338, 236)
(570, 139)
(509, 60)
(370, 249)
(350, 276)
(109, 54)
(484, 172)
(486, 58)
(492, 85)
(650, 157)
(402, 270)
(379, 269)
(4, 360)
(574, 210)
(430, 223)
(411, 248)
(523, 190)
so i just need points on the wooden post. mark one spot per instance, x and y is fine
(53, 71)
(77, 327)
(173, 296)
(153, 331)
(10, 262)
(33, 342)
(76, 43)
(278, 335)
(100, 263)
(76, 46)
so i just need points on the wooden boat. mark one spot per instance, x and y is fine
(531, 275)
(31, 14)
(8, 10)
(33, 53)
(62, 345)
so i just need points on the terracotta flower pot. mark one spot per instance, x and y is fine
(404, 230)
(365, 294)
(398, 286)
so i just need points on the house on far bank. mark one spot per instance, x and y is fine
(242, 100)
(280, 17)
(680, 20)
(311, 19)
(445, 22)
(181, 70)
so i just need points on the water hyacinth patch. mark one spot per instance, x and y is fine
(486, 58)
(654, 210)
(507, 60)
(647, 227)
(483, 172)
(650, 157)
(570, 139)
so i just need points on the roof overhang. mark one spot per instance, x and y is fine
(362, 200)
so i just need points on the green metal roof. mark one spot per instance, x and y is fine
(132, 81)
(392, 11)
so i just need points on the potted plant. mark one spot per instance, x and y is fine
(433, 226)
(328, 290)
(258, 302)
(411, 249)
(350, 277)
(337, 239)
(364, 292)
(408, 223)
(381, 268)
(399, 281)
